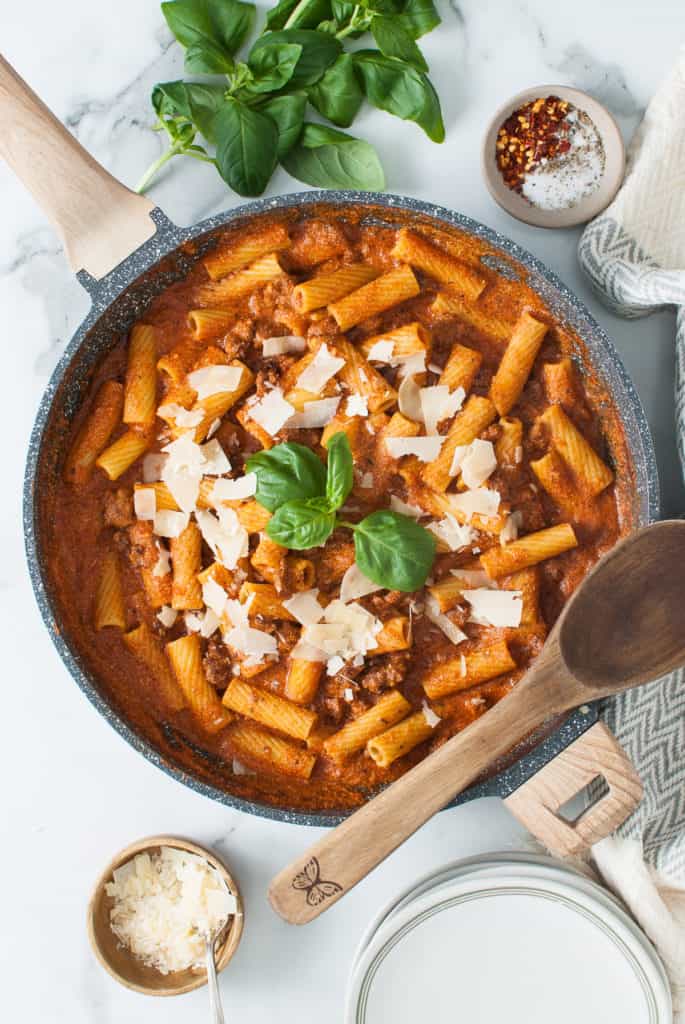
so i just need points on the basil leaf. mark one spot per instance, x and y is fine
(232, 21)
(287, 112)
(196, 102)
(302, 524)
(394, 41)
(418, 17)
(287, 472)
(207, 59)
(393, 550)
(298, 14)
(246, 147)
(318, 51)
(340, 470)
(400, 89)
(273, 66)
(190, 21)
(327, 158)
(338, 96)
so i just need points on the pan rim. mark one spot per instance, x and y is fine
(166, 240)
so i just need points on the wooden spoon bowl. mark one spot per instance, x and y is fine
(120, 962)
(623, 626)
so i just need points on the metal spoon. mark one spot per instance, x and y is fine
(216, 1013)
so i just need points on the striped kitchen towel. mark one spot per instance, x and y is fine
(634, 255)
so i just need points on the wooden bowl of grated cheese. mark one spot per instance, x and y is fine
(145, 909)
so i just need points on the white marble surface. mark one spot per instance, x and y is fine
(73, 791)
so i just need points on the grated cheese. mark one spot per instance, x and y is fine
(481, 501)
(167, 616)
(510, 530)
(305, 607)
(404, 509)
(165, 904)
(452, 533)
(169, 524)
(478, 463)
(409, 399)
(431, 718)
(234, 490)
(438, 403)
(381, 352)
(442, 621)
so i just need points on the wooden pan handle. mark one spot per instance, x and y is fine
(536, 803)
(100, 220)
(345, 855)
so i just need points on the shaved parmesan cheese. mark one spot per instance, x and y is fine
(357, 405)
(348, 694)
(499, 608)
(397, 505)
(213, 427)
(472, 577)
(234, 490)
(438, 403)
(164, 904)
(162, 566)
(214, 596)
(334, 665)
(478, 463)
(307, 652)
(355, 584)
(462, 665)
(323, 366)
(305, 607)
(348, 631)
(366, 480)
(228, 540)
(182, 471)
(482, 502)
(510, 530)
(457, 458)
(170, 524)
(214, 380)
(426, 449)
(255, 644)
(315, 414)
(216, 462)
(381, 352)
(153, 464)
(181, 417)
(434, 368)
(413, 364)
(239, 768)
(279, 346)
(272, 411)
(441, 620)
(167, 616)
(518, 454)
(409, 399)
(145, 503)
(431, 718)
(452, 533)
(204, 624)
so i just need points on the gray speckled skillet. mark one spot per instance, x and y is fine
(85, 203)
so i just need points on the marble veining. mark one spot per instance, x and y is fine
(74, 791)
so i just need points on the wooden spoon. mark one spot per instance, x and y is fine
(624, 626)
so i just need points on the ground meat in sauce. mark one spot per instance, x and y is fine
(321, 244)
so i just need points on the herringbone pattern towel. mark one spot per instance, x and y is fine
(634, 255)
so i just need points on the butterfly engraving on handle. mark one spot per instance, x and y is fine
(310, 882)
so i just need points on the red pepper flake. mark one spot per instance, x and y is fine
(534, 132)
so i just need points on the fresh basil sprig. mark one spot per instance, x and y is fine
(297, 59)
(391, 549)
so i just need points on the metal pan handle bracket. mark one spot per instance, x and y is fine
(100, 220)
(537, 803)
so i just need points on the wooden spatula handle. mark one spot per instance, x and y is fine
(345, 855)
(100, 220)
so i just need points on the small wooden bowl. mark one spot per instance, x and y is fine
(119, 962)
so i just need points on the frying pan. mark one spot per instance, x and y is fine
(124, 252)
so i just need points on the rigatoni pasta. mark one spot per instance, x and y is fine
(289, 676)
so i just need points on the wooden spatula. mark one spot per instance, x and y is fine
(624, 626)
